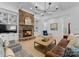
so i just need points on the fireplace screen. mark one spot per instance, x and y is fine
(27, 33)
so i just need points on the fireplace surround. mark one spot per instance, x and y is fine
(26, 30)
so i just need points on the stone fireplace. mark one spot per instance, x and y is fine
(26, 25)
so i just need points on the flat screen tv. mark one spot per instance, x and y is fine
(2, 28)
(7, 28)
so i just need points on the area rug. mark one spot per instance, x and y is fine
(22, 53)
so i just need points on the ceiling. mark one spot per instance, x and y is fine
(29, 6)
(63, 6)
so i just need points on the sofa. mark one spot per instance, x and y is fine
(17, 49)
(72, 49)
(14, 47)
(1, 48)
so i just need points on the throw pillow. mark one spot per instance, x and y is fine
(6, 43)
(77, 44)
(72, 41)
(1, 41)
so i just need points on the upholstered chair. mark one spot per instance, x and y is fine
(59, 49)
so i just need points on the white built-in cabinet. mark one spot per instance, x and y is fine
(8, 17)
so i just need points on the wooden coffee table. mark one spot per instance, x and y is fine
(45, 44)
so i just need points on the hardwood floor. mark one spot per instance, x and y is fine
(28, 46)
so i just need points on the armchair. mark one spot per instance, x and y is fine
(58, 50)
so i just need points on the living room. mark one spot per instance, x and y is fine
(39, 29)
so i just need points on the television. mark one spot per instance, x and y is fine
(2, 28)
(11, 28)
(8, 28)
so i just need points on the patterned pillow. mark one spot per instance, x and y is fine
(68, 52)
(75, 51)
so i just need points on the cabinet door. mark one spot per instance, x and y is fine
(12, 19)
(0, 17)
(4, 18)
(4, 36)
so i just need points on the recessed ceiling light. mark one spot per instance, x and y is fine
(31, 8)
(42, 14)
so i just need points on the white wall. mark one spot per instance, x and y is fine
(74, 19)
(56, 33)
(39, 24)
(71, 16)
(43, 24)
(9, 6)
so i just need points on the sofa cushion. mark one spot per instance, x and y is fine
(58, 50)
(63, 43)
(68, 52)
(1, 41)
(1, 48)
(75, 51)
(71, 52)
(72, 41)
(16, 48)
(12, 42)
(49, 54)
(76, 44)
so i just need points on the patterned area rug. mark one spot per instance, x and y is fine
(22, 53)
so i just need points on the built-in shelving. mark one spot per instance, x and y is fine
(8, 17)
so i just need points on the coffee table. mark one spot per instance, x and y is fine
(45, 44)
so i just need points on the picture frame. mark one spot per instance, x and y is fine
(54, 26)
